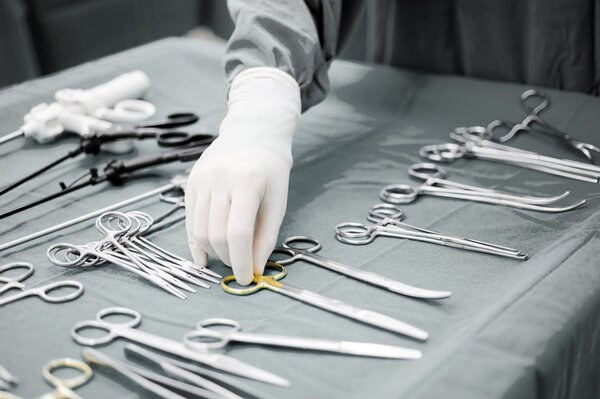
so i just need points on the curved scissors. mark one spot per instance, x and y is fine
(332, 305)
(387, 219)
(435, 185)
(64, 386)
(297, 253)
(128, 331)
(532, 118)
(217, 339)
(44, 292)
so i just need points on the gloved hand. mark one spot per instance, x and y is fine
(236, 194)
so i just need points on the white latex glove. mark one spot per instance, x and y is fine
(237, 191)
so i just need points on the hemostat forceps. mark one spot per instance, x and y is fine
(475, 145)
(221, 338)
(122, 247)
(533, 123)
(387, 219)
(332, 305)
(308, 255)
(435, 185)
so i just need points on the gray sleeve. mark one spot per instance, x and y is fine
(299, 37)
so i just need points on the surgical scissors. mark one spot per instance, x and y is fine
(435, 185)
(388, 223)
(332, 305)
(43, 292)
(64, 386)
(309, 255)
(534, 123)
(476, 145)
(128, 330)
(219, 339)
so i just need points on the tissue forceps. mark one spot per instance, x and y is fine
(435, 185)
(332, 305)
(128, 331)
(308, 255)
(43, 292)
(388, 223)
(476, 145)
(64, 386)
(534, 123)
(220, 339)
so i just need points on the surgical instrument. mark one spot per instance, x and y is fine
(388, 223)
(163, 272)
(176, 182)
(96, 358)
(436, 185)
(128, 331)
(332, 305)
(158, 130)
(184, 264)
(43, 292)
(475, 145)
(217, 339)
(534, 123)
(117, 172)
(173, 370)
(43, 124)
(64, 387)
(230, 382)
(178, 202)
(6, 379)
(308, 254)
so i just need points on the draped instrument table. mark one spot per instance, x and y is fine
(510, 330)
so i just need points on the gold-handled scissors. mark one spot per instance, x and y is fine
(64, 387)
(366, 316)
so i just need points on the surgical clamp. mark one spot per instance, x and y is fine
(475, 145)
(435, 185)
(388, 223)
(534, 123)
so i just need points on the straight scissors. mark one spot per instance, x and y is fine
(533, 123)
(43, 292)
(332, 305)
(388, 223)
(128, 330)
(308, 254)
(64, 387)
(476, 145)
(219, 339)
(435, 185)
